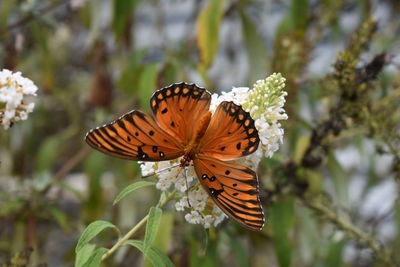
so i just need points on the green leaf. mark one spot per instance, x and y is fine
(171, 71)
(130, 188)
(163, 257)
(129, 78)
(302, 144)
(147, 84)
(94, 166)
(122, 12)
(59, 217)
(203, 253)
(152, 227)
(282, 221)
(340, 179)
(11, 206)
(255, 49)
(83, 255)
(208, 24)
(47, 154)
(308, 240)
(238, 249)
(156, 257)
(93, 230)
(335, 250)
(95, 258)
(6, 8)
(163, 238)
(299, 14)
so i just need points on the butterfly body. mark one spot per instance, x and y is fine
(183, 126)
(193, 147)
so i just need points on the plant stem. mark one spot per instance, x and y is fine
(135, 228)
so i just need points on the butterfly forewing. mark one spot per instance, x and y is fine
(177, 108)
(234, 188)
(135, 136)
(231, 133)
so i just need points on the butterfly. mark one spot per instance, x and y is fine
(183, 126)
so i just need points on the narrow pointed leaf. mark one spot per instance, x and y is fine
(83, 255)
(130, 189)
(208, 24)
(152, 227)
(156, 257)
(256, 51)
(95, 258)
(92, 231)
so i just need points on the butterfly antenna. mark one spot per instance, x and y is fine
(159, 171)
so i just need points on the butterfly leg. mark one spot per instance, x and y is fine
(187, 188)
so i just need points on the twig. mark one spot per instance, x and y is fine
(68, 166)
(348, 227)
(33, 13)
(135, 228)
(71, 163)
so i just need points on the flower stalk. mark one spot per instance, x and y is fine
(134, 229)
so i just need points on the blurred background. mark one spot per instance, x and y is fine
(330, 194)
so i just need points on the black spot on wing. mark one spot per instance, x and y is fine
(177, 89)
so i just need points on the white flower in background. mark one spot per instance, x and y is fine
(265, 103)
(13, 89)
(76, 4)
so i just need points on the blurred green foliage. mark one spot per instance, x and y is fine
(95, 60)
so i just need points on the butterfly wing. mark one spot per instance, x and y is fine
(231, 133)
(234, 188)
(135, 136)
(177, 109)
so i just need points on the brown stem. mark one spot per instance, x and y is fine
(31, 230)
(71, 163)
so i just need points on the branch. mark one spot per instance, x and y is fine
(351, 230)
(353, 91)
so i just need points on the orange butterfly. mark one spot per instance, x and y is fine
(184, 126)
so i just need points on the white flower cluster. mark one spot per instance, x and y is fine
(13, 89)
(169, 174)
(203, 210)
(265, 104)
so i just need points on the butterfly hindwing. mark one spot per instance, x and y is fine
(178, 107)
(135, 136)
(231, 133)
(234, 188)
